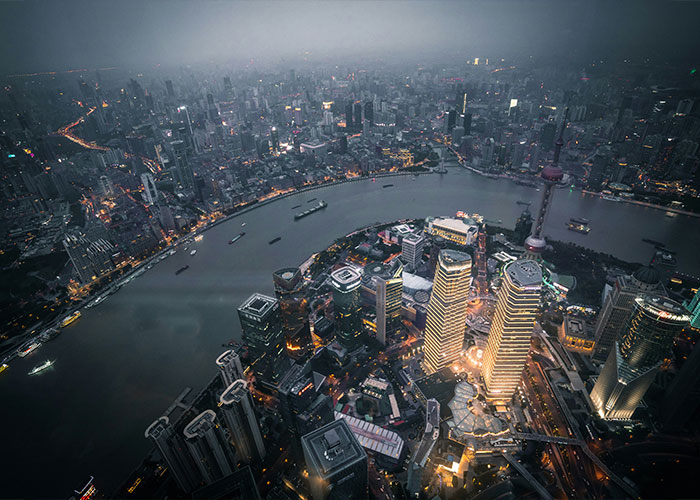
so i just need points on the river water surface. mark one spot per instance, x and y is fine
(122, 364)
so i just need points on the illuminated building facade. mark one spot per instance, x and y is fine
(347, 306)
(211, 451)
(388, 303)
(447, 310)
(634, 360)
(509, 337)
(574, 336)
(262, 332)
(289, 290)
(238, 413)
(462, 231)
(618, 307)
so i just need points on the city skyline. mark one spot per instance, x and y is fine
(350, 250)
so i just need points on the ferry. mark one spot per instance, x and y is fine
(199, 237)
(25, 351)
(69, 319)
(193, 252)
(236, 238)
(4, 367)
(608, 197)
(578, 228)
(321, 205)
(274, 240)
(43, 366)
(182, 269)
(578, 225)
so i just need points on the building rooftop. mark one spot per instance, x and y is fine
(332, 448)
(225, 357)
(663, 308)
(258, 305)
(156, 428)
(453, 258)
(346, 278)
(468, 416)
(373, 437)
(525, 273)
(200, 424)
(413, 238)
(464, 225)
(234, 392)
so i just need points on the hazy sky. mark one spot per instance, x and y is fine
(38, 35)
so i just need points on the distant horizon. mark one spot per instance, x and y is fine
(40, 36)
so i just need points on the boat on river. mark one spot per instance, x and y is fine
(41, 367)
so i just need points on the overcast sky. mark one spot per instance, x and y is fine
(40, 35)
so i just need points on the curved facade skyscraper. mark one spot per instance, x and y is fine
(447, 310)
(634, 360)
(511, 329)
(238, 413)
(347, 306)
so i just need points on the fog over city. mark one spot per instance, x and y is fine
(349, 250)
(41, 35)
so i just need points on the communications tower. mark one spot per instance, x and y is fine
(552, 175)
(482, 285)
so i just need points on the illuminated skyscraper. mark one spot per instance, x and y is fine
(229, 364)
(388, 302)
(263, 334)
(619, 306)
(172, 448)
(238, 412)
(346, 304)
(208, 445)
(289, 290)
(634, 360)
(509, 338)
(447, 310)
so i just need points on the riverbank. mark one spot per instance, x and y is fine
(10, 345)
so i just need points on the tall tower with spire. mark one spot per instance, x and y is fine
(552, 175)
(482, 284)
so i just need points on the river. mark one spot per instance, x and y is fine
(121, 365)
